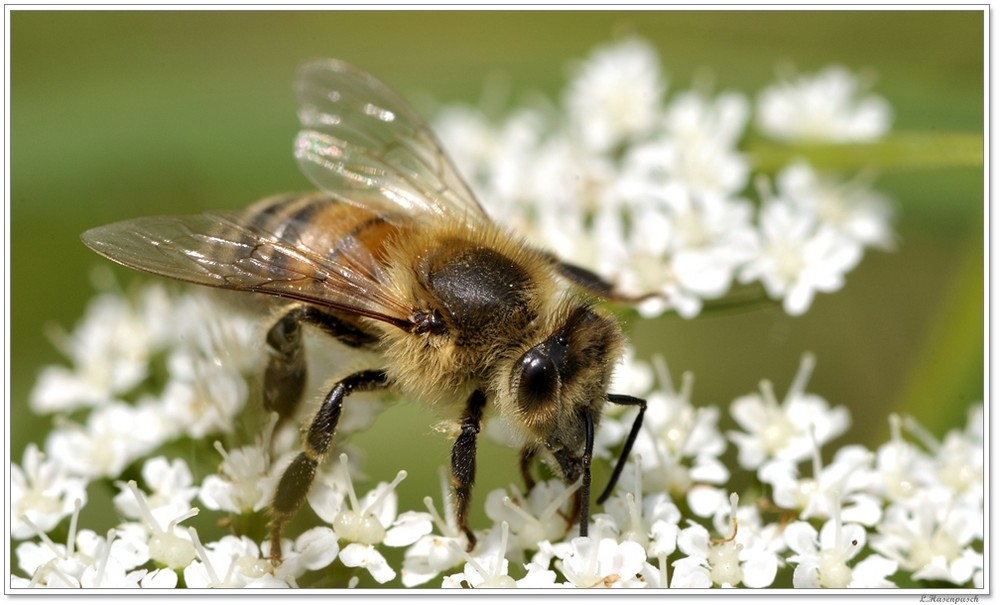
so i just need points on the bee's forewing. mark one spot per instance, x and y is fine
(228, 251)
(365, 145)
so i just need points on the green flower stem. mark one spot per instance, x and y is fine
(898, 151)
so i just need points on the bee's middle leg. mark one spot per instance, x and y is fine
(298, 477)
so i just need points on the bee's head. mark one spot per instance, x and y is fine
(559, 387)
(561, 383)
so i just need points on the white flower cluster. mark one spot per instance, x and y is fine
(146, 370)
(651, 190)
(910, 511)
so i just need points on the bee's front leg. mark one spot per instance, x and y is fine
(298, 477)
(527, 457)
(463, 463)
(574, 467)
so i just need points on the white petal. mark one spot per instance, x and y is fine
(317, 548)
(629, 557)
(805, 574)
(693, 541)
(801, 538)
(160, 578)
(266, 581)
(409, 527)
(689, 573)
(872, 573)
(360, 555)
(759, 569)
(325, 500)
(708, 469)
(705, 500)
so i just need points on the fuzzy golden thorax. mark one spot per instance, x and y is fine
(500, 323)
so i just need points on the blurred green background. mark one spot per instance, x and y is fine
(115, 114)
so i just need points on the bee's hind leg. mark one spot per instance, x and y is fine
(298, 476)
(285, 375)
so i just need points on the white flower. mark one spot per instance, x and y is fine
(159, 579)
(852, 208)
(704, 132)
(679, 444)
(50, 564)
(789, 430)
(615, 94)
(126, 548)
(314, 549)
(841, 482)
(642, 192)
(831, 105)
(202, 397)
(824, 562)
(109, 350)
(167, 546)
(114, 436)
(901, 468)
(931, 536)
(740, 558)
(171, 490)
(214, 331)
(693, 116)
(797, 256)
(488, 569)
(108, 572)
(86, 560)
(501, 161)
(958, 462)
(42, 494)
(368, 522)
(435, 552)
(941, 471)
(534, 518)
(231, 562)
(686, 245)
(244, 483)
(596, 562)
(650, 522)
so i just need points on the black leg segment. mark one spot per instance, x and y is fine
(463, 462)
(285, 375)
(629, 442)
(527, 457)
(298, 477)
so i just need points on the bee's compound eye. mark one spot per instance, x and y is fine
(540, 379)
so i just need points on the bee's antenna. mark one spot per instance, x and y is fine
(636, 425)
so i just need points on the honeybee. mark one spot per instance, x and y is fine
(395, 255)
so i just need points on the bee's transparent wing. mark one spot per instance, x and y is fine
(227, 251)
(363, 144)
